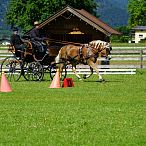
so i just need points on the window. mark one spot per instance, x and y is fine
(140, 36)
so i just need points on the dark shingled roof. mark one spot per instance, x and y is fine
(98, 23)
(85, 16)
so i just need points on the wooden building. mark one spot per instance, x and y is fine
(75, 25)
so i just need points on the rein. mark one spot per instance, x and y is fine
(63, 42)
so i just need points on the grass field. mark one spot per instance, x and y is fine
(89, 114)
(129, 45)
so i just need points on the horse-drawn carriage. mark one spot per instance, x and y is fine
(36, 62)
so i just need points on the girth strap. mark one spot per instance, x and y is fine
(81, 52)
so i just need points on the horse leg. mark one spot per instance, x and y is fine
(93, 65)
(61, 67)
(75, 72)
(87, 76)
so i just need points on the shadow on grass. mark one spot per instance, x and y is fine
(105, 81)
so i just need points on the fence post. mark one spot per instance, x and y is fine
(141, 58)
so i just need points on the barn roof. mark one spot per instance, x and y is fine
(85, 16)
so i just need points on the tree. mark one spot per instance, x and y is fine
(124, 38)
(22, 13)
(137, 13)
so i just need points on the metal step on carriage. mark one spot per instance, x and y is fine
(34, 65)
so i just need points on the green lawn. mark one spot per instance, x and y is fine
(128, 45)
(89, 114)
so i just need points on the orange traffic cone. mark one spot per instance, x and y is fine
(5, 86)
(56, 80)
(68, 82)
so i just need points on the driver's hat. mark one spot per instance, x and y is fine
(15, 29)
(36, 23)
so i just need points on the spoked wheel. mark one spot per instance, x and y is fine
(33, 71)
(53, 69)
(12, 68)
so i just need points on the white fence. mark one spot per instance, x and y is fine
(125, 60)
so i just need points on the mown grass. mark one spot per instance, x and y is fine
(128, 45)
(88, 114)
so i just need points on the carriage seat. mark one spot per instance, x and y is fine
(17, 52)
(39, 47)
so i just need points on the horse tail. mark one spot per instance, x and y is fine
(57, 58)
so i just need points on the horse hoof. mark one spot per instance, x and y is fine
(80, 79)
(84, 76)
(101, 80)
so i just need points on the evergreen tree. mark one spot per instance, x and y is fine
(22, 13)
(137, 12)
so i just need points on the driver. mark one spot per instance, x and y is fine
(37, 39)
(34, 33)
(18, 43)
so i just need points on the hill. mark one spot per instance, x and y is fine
(113, 12)
(3, 9)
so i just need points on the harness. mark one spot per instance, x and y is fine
(90, 52)
(81, 52)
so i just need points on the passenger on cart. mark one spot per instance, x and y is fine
(39, 43)
(18, 43)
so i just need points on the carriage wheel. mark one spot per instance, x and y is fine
(53, 70)
(12, 68)
(24, 70)
(33, 71)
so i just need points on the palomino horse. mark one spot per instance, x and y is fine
(86, 54)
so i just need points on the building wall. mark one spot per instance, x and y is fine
(139, 34)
